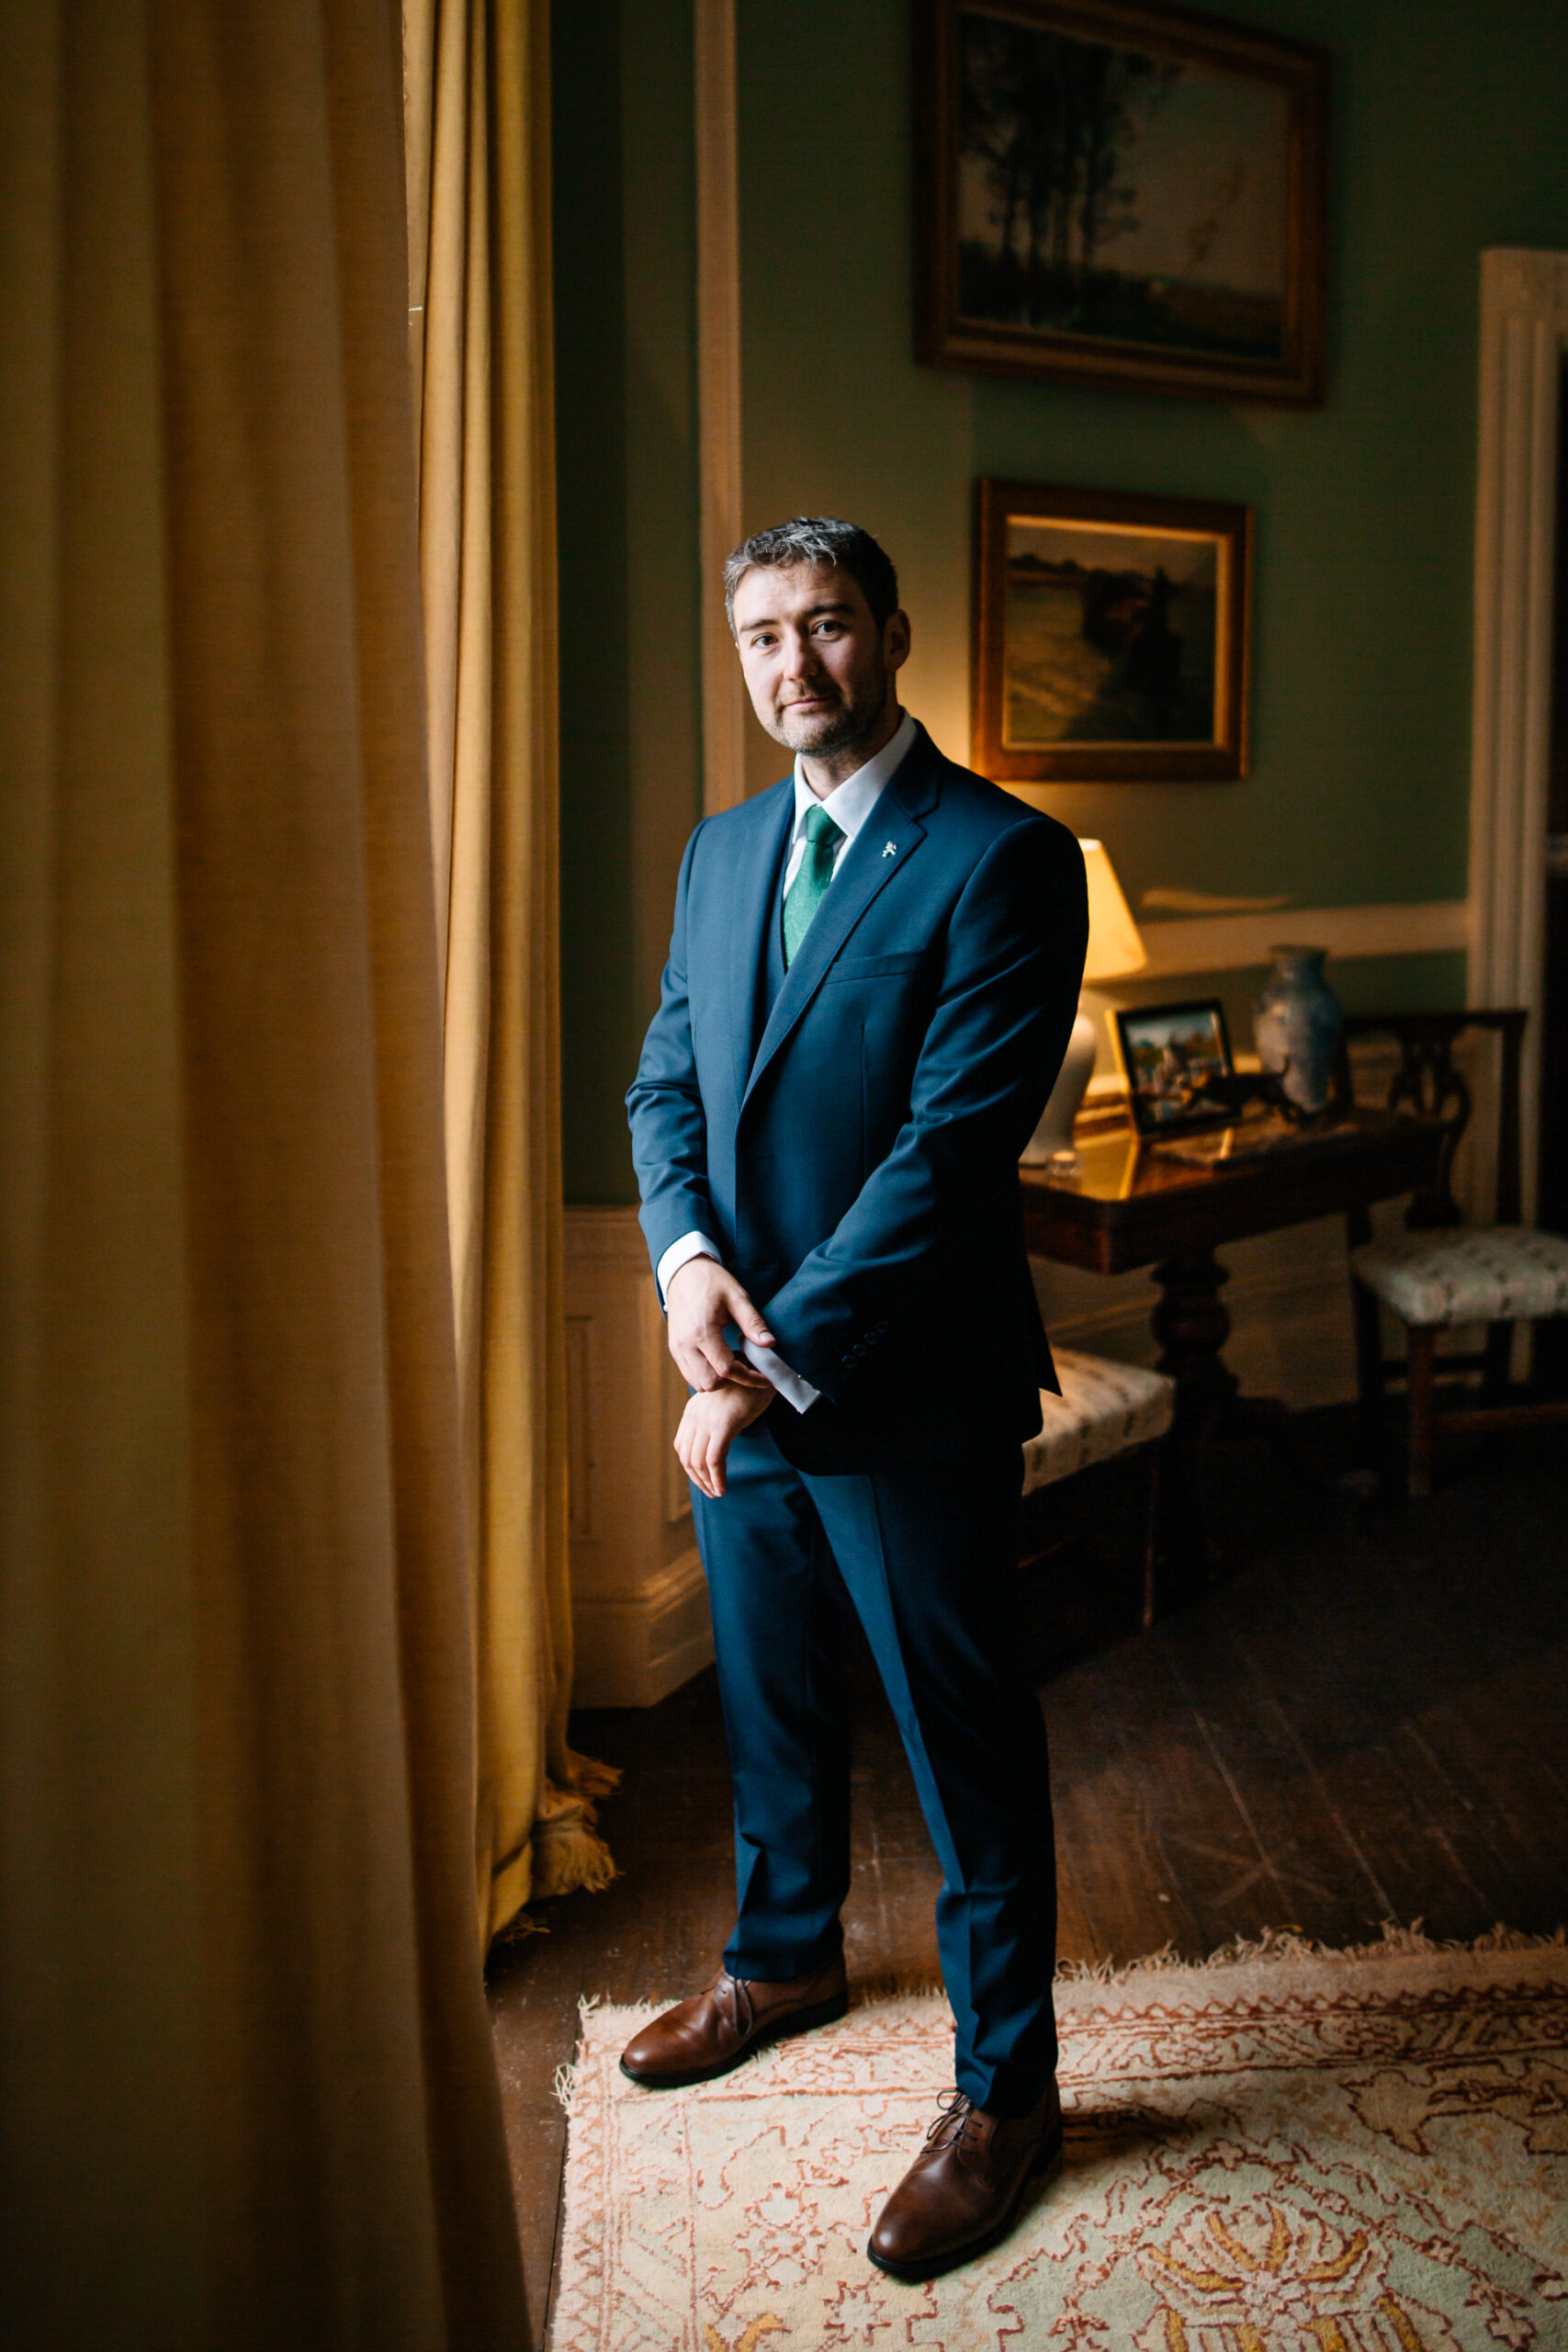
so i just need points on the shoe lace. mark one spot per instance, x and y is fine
(952, 2121)
(734, 1999)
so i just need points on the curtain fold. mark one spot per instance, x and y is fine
(249, 2096)
(476, 82)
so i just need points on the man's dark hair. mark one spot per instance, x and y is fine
(818, 539)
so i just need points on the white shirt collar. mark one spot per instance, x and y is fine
(852, 802)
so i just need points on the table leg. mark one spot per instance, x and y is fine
(1191, 1325)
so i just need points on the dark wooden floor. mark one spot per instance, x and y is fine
(1365, 1721)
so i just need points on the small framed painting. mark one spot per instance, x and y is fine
(1120, 194)
(1110, 636)
(1167, 1051)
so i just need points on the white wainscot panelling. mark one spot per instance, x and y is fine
(638, 1604)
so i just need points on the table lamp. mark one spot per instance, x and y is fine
(1115, 950)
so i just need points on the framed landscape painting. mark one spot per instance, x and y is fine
(1110, 636)
(1119, 195)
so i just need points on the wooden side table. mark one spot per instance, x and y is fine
(1128, 1204)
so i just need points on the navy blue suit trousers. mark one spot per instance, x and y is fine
(926, 1555)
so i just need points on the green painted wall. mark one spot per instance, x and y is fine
(1450, 133)
(626, 399)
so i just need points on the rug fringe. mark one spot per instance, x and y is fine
(1395, 1942)
(891, 1986)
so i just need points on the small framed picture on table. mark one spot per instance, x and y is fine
(1168, 1052)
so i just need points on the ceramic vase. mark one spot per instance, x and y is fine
(1295, 1025)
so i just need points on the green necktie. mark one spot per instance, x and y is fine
(808, 890)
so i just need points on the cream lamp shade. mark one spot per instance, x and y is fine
(1114, 951)
(1114, 947)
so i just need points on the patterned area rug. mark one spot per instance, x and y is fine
(1283, 2151)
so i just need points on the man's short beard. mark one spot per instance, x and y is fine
(850, 725)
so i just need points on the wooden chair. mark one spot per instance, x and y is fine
(1436, 1275)
(1106, 1412)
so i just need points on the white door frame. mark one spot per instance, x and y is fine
(1524, 337)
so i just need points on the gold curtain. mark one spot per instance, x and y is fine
(249, 2099)
(476, 85)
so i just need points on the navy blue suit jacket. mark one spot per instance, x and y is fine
(853, 1148)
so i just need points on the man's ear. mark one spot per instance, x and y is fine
(895, 639)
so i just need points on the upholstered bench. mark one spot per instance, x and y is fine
(1105, 1410)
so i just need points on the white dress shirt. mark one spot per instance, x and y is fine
(849, 805)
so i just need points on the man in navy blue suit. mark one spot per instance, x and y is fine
(873, 975)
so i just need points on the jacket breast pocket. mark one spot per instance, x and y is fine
(873, 968)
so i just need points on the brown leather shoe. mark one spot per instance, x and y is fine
(723, 2023)
(964, 2187)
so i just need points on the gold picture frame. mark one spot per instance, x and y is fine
(1121, 196)
(1111, 636)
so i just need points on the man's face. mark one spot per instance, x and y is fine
(818, 669)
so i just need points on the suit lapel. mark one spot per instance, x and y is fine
(883, 846)
(752, 901)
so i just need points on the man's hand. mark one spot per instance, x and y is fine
(701, 1299)
(709, 1425)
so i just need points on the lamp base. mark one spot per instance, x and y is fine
(1055, 1131)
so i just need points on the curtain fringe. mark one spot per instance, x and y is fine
(588, 1776)
(566, 1852)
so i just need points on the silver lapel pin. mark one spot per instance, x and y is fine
(891, 850)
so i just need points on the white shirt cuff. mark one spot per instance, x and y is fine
(680, 1253)
(792, 1386)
